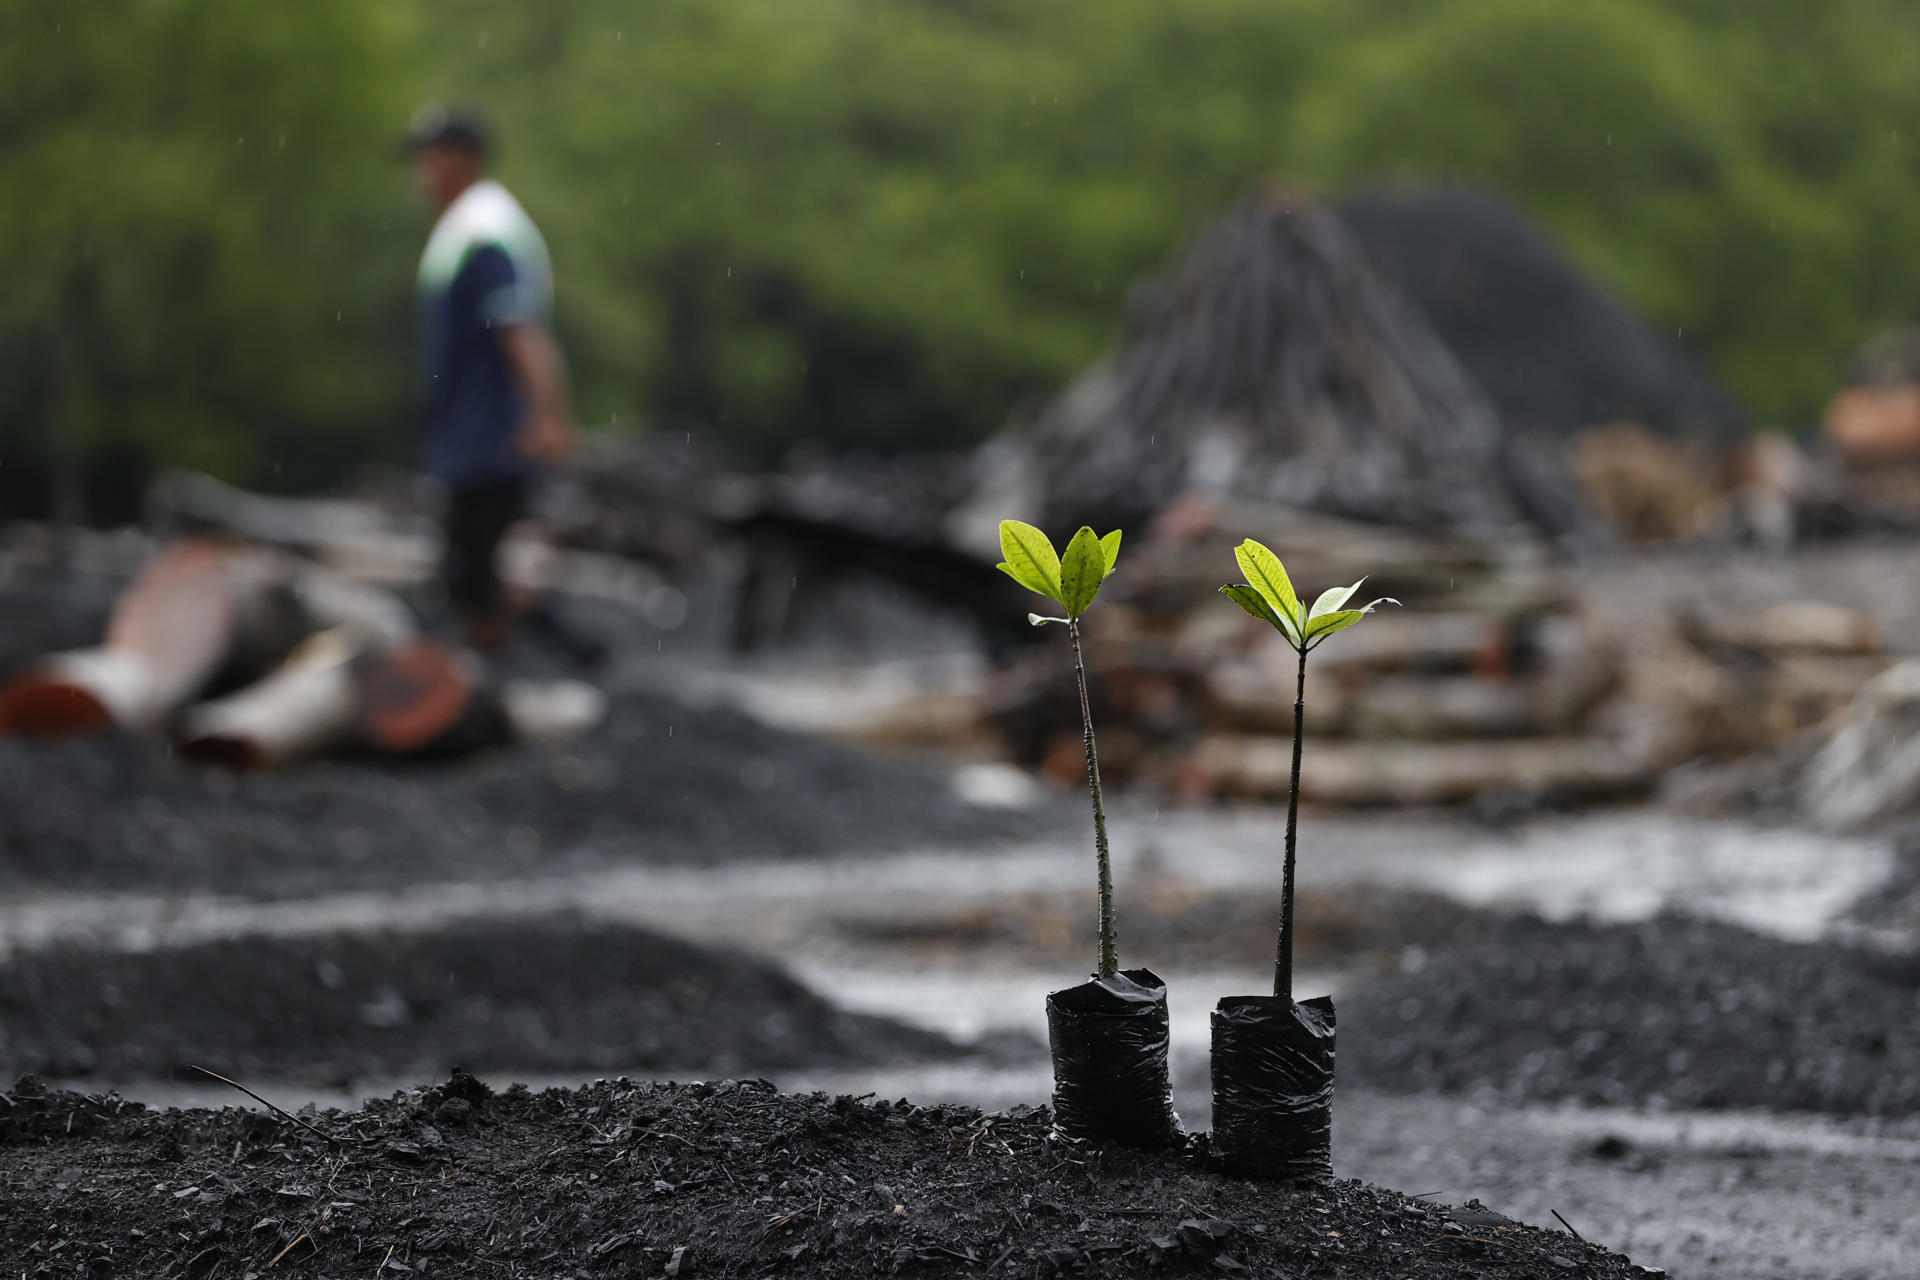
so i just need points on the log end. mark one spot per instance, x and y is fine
(414, 696)
(225, 751)
(44, 703)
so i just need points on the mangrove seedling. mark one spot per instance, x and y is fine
(1268, 595)
(1072, 579)
(1272, 1055)
(1108, 1035)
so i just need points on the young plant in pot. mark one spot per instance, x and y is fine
(1272, 1055)
(1109, 1034)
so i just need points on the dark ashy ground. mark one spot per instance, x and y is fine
(656, 782)
(1895, 906)
(621, 1179)
(44, 611)
(547, 994)
(1356, 928)
(1681, 1012)
(659, 781)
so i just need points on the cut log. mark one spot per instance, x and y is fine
(1444, 707)
(84, 691)
(427, 698)
(1795, 626)
(1188, 551)
(1867, 770)
(1429, 643)
(199, 612)
(1647, 488)
(1874, 424)
(930, 721)
(189, 502)
(170, 632)
(371, 617)
(1378, 773)
(304, 709)
(367, 544)
(1255, 695)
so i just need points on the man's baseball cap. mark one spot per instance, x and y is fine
(438, 125)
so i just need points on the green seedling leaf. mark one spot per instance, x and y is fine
(1041, 620)
(1082, 569)
(1328, 623)
(1340, 619)
(1030, 560)
(1331, 600)
(1256, 604)
(1268, 576)
(1111, 546)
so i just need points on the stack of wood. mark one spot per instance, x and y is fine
(248, 657)
(1500, 679)
(395, 546)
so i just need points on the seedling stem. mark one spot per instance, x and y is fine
(1268, 595)
(1108, 959)
(1283, 955)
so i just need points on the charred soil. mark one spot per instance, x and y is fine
(621, 1179)
(1676, 1011)
(657, 782)
(549, 994)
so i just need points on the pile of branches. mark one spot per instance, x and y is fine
(1274, 363)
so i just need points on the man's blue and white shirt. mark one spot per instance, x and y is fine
(485, 267)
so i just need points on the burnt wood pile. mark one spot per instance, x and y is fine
(1274, 363)
(1500, 682)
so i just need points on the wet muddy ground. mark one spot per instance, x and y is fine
(690, 894)
(936, 963)
(658, 782)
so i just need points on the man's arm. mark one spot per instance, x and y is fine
(537, 366)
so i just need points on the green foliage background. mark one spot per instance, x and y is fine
(885, 222)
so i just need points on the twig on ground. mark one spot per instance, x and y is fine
(289, 1249)
(279, 1111)
(1569, 1226)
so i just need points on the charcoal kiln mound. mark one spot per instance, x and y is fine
(1274, 363)
(1550, 348)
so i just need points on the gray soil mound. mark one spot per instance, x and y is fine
(657, 782)
(44, 611)
(1687, 1012)
(542, 995)
(1548, 346)
(622, 1179)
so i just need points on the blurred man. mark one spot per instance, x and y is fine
(497, 404)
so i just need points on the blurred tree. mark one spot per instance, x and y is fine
(890, 222)
(1736, 169)
(869, 222)
(882, 222)
(199, 231)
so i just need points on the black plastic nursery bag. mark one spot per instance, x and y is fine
(1273, 1088)
(1109, 1040)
